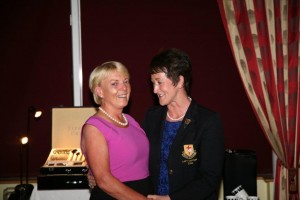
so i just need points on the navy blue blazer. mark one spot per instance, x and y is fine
(196, 158)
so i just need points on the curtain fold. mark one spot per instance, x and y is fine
(264, 39)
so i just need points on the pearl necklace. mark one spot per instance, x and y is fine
(110, 117)
(178, 117)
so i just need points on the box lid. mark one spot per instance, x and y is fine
(67, 124)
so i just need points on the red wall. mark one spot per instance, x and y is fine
(36, 66)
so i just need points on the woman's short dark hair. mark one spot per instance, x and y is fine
(173, 62)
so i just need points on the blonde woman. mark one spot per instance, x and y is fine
(115, 146)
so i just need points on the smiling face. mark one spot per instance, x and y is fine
(114, 90)
(164, 88)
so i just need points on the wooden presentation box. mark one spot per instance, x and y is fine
(66, 167)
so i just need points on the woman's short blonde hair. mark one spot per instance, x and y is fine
(101, 72)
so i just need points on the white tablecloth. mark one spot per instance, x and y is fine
(76, 194)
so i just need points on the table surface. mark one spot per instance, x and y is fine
(74, 194)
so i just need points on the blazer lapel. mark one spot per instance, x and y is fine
(158, 122)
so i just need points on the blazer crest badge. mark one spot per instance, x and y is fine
(188, 151)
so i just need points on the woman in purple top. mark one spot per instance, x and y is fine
(115, 146)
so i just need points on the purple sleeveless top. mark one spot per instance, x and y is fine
(128, 148)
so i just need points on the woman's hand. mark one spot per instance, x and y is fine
(159, 197)
(92, 182)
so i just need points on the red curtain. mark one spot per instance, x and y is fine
(264, 39)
